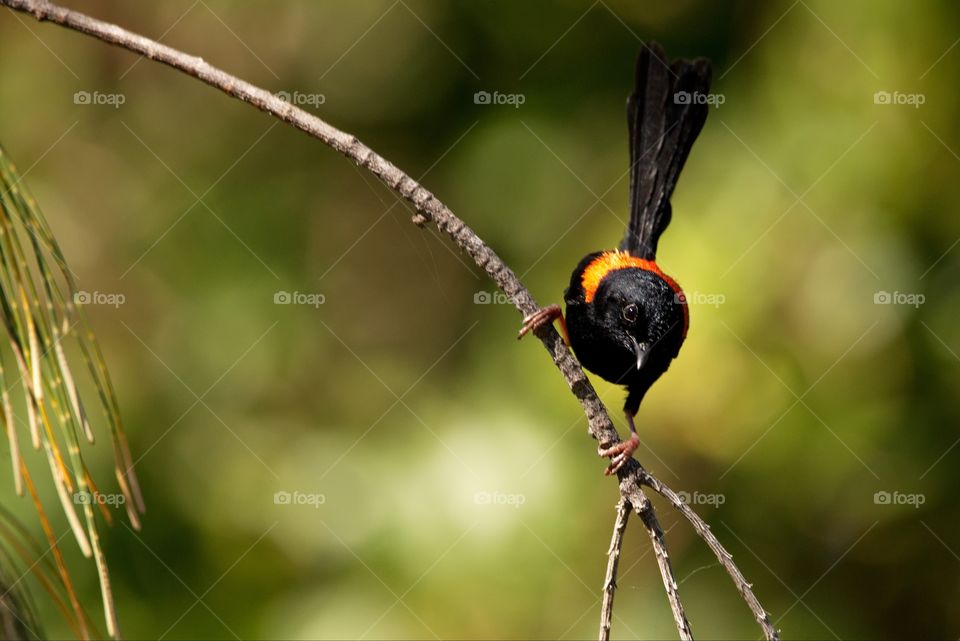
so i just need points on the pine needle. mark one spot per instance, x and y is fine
(43, 323)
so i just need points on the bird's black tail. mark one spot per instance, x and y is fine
(665, 113)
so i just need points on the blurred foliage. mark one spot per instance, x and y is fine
(439, 476)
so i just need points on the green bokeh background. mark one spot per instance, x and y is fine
(400, 399)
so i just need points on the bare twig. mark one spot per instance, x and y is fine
(649, 518)
(613, 560)
(725, 558)
(632, 476)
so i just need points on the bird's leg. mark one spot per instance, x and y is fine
(622, 451)
(542, 317)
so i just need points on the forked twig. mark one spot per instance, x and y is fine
(724, 557)
(632, 476)
(649, 518)
(613, 560)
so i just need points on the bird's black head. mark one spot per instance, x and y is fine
(645, 315)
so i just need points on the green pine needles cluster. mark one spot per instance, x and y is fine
(48, 405)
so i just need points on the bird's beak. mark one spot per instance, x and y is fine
(642, 350)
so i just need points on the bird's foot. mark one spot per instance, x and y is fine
(539, 318)
(620, 453)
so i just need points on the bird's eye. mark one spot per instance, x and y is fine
(630, 313)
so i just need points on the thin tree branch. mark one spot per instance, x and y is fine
(725, 558)
(632, 476)
(649, 518)
(613, 560)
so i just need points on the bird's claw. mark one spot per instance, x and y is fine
(620, 453)
(538, 319)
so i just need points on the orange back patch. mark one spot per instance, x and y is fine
(607, 262)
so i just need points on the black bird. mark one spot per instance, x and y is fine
(626, 319)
